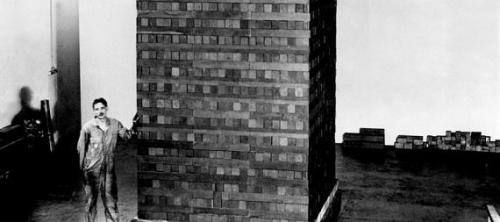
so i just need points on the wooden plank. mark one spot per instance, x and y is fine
(492, 214)
(327, 205)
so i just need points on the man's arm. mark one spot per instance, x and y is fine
(82, 144)
(126, 134)
(123, 132)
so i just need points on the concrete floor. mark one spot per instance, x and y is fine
(373, 189)
(62, 208)
(388, 188)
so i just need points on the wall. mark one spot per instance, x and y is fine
(25, 57)
(108, 57)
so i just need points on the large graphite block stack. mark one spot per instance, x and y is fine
(237, 100)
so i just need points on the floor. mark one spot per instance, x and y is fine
(384, 188)
(62, 208)
(388, 188)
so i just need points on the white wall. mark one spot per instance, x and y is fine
(107, 62)
(418, 67)
(108, 57)
(24, 54)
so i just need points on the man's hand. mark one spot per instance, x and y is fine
(135, 123)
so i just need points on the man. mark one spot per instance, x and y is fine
(96, 149)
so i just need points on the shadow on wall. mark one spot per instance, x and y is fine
(27, 115)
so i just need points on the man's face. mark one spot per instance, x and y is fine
(100, 110)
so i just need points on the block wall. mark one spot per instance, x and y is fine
(223, 89)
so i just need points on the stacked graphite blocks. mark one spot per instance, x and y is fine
(367, 138)
(184, 183)
(237, 101)
(409, 142)
(459, 140)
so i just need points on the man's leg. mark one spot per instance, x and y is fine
(91, 194)
(109, 194)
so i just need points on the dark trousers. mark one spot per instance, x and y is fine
(105, 182)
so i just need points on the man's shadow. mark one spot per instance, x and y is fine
(27, 114)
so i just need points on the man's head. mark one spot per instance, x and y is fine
(100, 107)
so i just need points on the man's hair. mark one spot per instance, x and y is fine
(99, 100)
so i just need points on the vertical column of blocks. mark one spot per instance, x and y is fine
(223, 89)
(322, 60)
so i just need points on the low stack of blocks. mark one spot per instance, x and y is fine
(409, 142)
(367, 138)
(459, 140)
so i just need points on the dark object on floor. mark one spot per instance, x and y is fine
(24, 159)
(15, 200)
